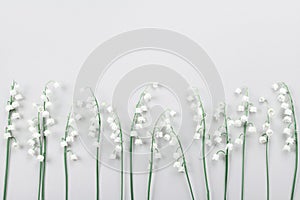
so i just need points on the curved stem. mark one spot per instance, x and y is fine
(204, 148)
(184, 165)
(41, 163)
(296, 143)
(131, 147)
(185, 168)
(226, 156)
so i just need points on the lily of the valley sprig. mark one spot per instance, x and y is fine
(246, 108)
(95, 131)
(200, 133)
(13, 114)
(117, 137)
(289, 118)
(264, 138)
(180, 159)
(39, 127)
(71, 133)
(222, 134)
(161, 130)
(137, 124)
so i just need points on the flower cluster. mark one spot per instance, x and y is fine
(71, 134)
(222, 134)
(286, 101)
(13, 114)
(39, 126)
(267, 132)
(199, 116)
(246, 108)
(141, 110)
(116, 133)
(95, 122)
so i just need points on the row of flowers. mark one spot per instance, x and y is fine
(163, 132)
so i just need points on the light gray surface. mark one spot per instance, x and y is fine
(251, 44)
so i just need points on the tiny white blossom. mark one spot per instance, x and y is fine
(262, 139)
(147, 97)
(281, 98)
(13, 92)
(73, 157)
(167, 137)
(253, 109)
(216, 157)
(11, 127)
(109, 109)
(241, 108)
(15, 144)
(138, 141)
(244, 118)
(287, 119)
(290, 140)
(238, 141)
(50, 122)
(172, 113)
(133, 134)
(271, 112)
(245, 99)
(275, 86)
(31, 142)
(287, 131)
(63, 144)
(31, 152)
(40, 158)
(269, 132)
(229, 146)
(15, 104)
(286, 148)
(282, 90)
(285, 105)
(238, 123)
(9, 108)
(288, 112)
(238, 91)
(218, 139)
(15, 116)
(47, 133)
(45, 114)
(252, 129)
(261, 99)
(197, 136)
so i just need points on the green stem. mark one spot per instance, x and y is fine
(226, 156)
(41, 163)
(131, 147)
(66, 174)
(267, 169)
(44, 167)
(296, 143)
(66, 159)
(204, 148)
(244, 148)
(6, 168)
(8, 143)
(185, 168)
(243, 162)
(152, 154)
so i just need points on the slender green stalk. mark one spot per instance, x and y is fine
(152, 154)
(131, 147)
(296, 143)
(267, 168)
(226, 155)
(122, 161)
(204, 147)
(41, 163)
(244, 149)
(98, 148)
(66, 160)
(44, 154)
(8, 144)
(6, 168)
(184, 165)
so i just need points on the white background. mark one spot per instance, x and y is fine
(254, 44)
